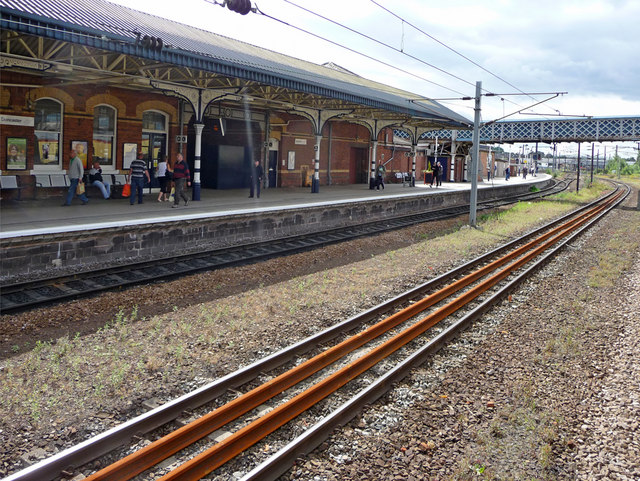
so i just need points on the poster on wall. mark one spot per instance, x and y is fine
(16, 153)
(81, 150)
(48, 150)
(129, 152)
(291, 160)
(102, 150)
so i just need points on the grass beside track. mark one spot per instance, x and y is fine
(68, 380)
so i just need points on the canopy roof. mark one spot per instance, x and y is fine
(95, 41)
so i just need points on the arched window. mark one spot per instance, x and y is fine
(156, 121)
(48, 133)
(104, 128)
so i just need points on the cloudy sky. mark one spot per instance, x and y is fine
(587, 48)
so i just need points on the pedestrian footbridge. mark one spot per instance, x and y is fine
(593, 129)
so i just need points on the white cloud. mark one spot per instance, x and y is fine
(588, 48)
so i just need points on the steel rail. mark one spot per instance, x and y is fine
(280, 462)
(104, 442)
(30, 294)
(214, 457)
(162, 448)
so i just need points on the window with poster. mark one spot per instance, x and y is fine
(48, 133)
(104, 128)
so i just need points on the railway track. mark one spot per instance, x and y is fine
(21, 296)
(420, 322)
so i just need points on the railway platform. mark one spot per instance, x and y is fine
(40, 238)
(43, 217)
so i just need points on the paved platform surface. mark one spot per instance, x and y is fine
(41, 217)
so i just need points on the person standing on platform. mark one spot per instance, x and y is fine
(256, 179)
(137, 171)
(435, 167)
(76, 172)
(381, 173)
(439, 178)
(95, 178)
(181, 175)
(163, 175)
(507, 173)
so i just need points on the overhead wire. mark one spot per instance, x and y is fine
(403, 20)
(333, 42)
(368, 37)
(401, 51)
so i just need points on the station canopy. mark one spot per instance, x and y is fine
(93, 42)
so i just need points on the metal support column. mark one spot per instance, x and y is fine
(196, 162)
(592, 148)
(372, 172)
(578, 175)
(265, 155)
(454, 147)
(475, 158)
(315, 182)
(414, 154)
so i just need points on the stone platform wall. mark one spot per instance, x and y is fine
(58, 254)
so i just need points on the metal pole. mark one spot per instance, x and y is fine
(315, 181)
(195, 195)
(475, 157)
(578, 182)
(592, 147)
(372, 169)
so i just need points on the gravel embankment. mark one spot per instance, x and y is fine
(546, 387)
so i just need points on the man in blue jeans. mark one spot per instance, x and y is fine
(76, 171)
(137, 171)
(95, 178)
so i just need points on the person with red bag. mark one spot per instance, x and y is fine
(137, 171)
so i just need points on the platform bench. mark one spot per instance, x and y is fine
(48, 181)
(10, 182)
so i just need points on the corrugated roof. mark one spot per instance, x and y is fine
(197, 48)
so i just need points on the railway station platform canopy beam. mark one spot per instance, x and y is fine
(94, 42)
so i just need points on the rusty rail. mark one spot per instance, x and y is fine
(222, 452)
(165, 447)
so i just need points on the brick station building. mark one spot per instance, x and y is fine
(109, 82)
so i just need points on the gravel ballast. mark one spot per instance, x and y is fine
(545, 387)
